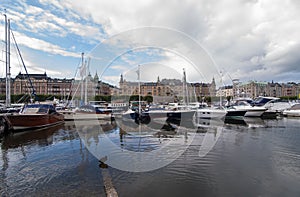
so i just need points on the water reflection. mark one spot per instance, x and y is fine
(250, 122)
(137, 147)
(42, 137)
(40, 162)
(250, 158)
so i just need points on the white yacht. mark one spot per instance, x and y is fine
(273, 105)
(211, 113)
(294, 111)
(251, 111)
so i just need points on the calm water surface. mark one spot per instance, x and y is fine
(251, 158)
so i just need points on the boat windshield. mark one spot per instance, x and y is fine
(260, 101)
(38, 108)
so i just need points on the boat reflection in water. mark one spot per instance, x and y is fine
(48, 160)
(41, 137)
(143, 143)
(87, 112)
(250, 122)
(57, 161)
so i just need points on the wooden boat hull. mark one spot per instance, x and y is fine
(33, 121)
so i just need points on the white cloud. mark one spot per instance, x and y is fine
(42, 45)
(119, 68)
(248, 39)
(111, 79)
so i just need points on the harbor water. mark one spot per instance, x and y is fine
(250, 158)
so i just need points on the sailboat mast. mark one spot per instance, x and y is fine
(139, 84)
(7, 60)
(8, 64)
(185, 90)
(82, 77)
(19, 53)
(86, 81)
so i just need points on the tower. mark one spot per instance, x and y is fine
(213, 87)
(121, 79)
(96, 78)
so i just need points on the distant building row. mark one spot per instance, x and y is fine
(165, 87)
(53, 86)
(254, 89)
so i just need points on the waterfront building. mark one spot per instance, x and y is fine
(204, 89)
(59, 86)
(166, 87)
(254, 89)
(21, 84)
(290, 89)
(46, 85)
(274, 89)
(225, 91)
(250, 89)
(158, 88)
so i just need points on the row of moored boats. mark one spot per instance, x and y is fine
(33, 116)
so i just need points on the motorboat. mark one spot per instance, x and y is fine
(293, 111)
(273, 105)
(251, 111)
(34, 116)
(87, 112)
(210, 113)
(235, 112)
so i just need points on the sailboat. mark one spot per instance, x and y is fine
(137, 110)
(32, 116)
(86, 111)
(6, 107)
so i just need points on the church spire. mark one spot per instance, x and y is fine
(96, 77)
(121, 79)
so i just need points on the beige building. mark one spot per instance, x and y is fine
(21, 84)
(53, 86)
(225, 91)
(166, 87)
(254, 89)
(161, 88)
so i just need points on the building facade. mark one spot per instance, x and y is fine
(166, 87)
(161, 88)
(254, 89)
(45, 85)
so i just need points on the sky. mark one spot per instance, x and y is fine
(232, 39)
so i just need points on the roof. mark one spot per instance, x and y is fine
(35, 76)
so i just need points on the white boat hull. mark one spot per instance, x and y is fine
(255, 113)
(68, 116)
(252, 111)
(291, 113)
(210, 113)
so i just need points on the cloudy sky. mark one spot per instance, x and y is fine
(245, 39)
